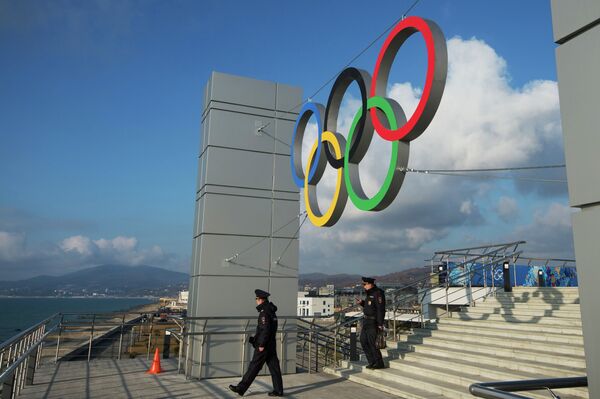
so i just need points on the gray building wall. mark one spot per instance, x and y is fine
(577, 31)
(246, 218)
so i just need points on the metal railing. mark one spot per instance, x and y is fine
(20, 357)
(503, 389)
(316, 346)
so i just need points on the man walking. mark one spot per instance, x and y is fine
(374, 311)
(264, 347)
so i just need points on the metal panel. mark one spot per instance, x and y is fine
(281, 289)
(283, 132)
(284, 256)
(285, 218)
(287, 98)
(239, 168)
(225, 214)
(252, 260)
(241, 90)
(229, 296)
(578, 63)
(283, 174)
(235, 130)
(242, 192)
(570, 16)
(587, 252)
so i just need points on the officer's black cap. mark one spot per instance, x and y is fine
(261, 294)
(369, 280)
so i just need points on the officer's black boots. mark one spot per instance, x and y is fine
(275, 394)
(235, 389)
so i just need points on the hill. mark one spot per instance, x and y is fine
(349, 280)
(102, 280)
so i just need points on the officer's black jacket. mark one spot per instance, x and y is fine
(374, 305)
(267, 324)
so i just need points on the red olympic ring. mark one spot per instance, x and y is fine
(437, 66)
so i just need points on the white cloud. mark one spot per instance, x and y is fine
(77, 244)
(466, 207)
(74, 253)
(550, 234)
(12, 245)
(507, 208)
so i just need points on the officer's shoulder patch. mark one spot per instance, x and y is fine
(263, 320)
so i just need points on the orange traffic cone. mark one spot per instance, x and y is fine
(155, 368)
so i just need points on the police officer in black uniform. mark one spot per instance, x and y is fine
(264, 347)
(374, 311)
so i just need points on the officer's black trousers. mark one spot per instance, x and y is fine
(269, 356)
(368, 337)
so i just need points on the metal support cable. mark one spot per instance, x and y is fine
(291, 240)
(487, 169)
(237, 254)
(467, 173)
(357, 56)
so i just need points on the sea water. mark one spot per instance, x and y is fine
(18, 314)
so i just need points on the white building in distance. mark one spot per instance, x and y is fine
(309, 306)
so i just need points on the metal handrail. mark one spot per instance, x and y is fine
(407, 298)
(502, 389)
(22, 334)
(8, 372)
(455, 251)
(414, 284)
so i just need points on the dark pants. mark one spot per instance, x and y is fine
(368, 337)
(269, 356)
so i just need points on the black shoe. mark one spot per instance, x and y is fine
(275, 393)
(371, 366)
(235, 389)
(378, 366)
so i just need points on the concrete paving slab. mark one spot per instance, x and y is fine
(127, 378)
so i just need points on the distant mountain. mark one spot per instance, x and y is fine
(322, 279)
(348, 280)
(102, 280)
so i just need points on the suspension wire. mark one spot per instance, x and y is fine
(237, 254)
(487, 169)
(482, 176)
(291, 240)
(357, 56)
(360, 53)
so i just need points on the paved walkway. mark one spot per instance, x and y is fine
(126, 378)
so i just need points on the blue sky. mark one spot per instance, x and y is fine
(100, 111)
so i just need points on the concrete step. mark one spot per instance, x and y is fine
(407, 391)
(547, 289)
(507, 318)
(538, 353)
(523, 312)
(465, 374)
(422, 382)
(485, 331)
(558, 301)
(508, 324)
(534, 299)
(509, 341)
(492, 304)
(511, 363)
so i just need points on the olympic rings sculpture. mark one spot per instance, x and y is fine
(377, 114)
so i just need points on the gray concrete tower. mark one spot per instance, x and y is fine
(246, 222)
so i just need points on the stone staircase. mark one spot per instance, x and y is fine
(528, 334)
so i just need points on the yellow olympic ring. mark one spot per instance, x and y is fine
(340, 196)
